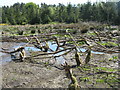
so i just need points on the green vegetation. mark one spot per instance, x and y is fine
(101, 75)
(113, 58)
(30, 13)
(109, 44)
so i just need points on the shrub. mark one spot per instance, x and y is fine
(33, 31)
(20, 32)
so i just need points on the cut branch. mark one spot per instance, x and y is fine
(53, 52)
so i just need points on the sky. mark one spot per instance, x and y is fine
(11, 2)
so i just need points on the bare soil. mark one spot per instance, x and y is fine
(40, 75)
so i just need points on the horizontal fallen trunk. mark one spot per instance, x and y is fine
(54, 52)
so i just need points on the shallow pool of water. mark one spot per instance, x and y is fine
(83, 50)
(7, 57)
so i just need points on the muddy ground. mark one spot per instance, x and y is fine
(41, 75)
(48, 73)
(27, 75)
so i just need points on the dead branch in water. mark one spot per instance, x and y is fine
(53, 52)
(55, 56)
(16, 50)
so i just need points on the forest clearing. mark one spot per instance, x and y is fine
(60, 46)
(50, 46)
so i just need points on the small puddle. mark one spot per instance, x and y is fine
(83, 50)
(7, 57)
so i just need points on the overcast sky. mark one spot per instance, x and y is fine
(11, 2)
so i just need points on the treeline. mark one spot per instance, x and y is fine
(30, 13)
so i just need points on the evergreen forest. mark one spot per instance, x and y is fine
(30, 13)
